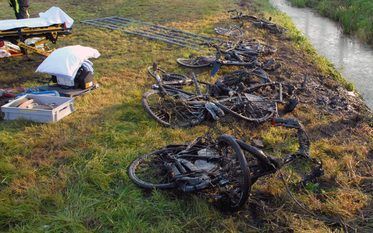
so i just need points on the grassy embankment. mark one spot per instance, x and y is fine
(355, 16)
(71, 176)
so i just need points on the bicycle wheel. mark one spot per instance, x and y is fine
(236, 188)
(249, 107)
(152, 102)
(270, 91)
(258, 47)
(240, 80)
(150, 172)
(198, 62)
(233, 31)
(172, 111)
(278, 92)
(169, 78)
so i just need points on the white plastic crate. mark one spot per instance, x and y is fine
(64, 107)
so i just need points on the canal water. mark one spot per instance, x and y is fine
(351, 57)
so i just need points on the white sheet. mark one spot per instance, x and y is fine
(52, 16)
(66, 61)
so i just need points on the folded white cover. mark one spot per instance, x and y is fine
(66, 61)
(52, 16)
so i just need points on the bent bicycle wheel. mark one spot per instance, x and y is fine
(198, 62)
(236, 187)
(249, 107)
(172, 111)
(271, 91)
(277, 92)
(152, 102)
(169, 78)
(150, 171)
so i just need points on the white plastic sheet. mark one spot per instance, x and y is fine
(66, 61)
(56, 16)
(52, 16)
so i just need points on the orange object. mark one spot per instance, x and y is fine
(26, 104)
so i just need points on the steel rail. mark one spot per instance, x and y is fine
(152, 31)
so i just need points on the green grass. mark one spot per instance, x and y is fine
(355, 16)
(71, 176)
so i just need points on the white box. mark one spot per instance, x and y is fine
(64, 107)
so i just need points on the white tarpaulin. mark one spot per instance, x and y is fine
(66, 61)
(52, 16)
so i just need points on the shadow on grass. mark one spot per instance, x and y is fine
(16, 71)
(336, 128)
(15, 126)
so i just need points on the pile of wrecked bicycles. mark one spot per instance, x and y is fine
(225, 168)
(222, 169)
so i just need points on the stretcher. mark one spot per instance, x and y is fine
(21, 37)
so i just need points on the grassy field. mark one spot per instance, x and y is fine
(355, 16)
(71, 176)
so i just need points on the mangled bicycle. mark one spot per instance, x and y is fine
(243, 54)
(223, 170)
(255, 82)
(171, 105)
(259, 23)
(175, 107)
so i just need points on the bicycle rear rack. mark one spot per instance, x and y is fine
(152, 31)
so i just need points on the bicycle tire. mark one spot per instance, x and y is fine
(244, 180)
(168, 77)
(148, 109)
(180, 114)
(189, 62)
(132, 169)
(249, 115)
(272, 91)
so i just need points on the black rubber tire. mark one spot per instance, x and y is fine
(245, 185)
(184, 62)
(145, 184)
